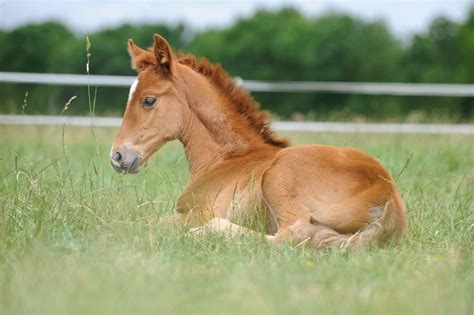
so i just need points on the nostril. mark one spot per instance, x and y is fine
(125, 160)
(117, 156)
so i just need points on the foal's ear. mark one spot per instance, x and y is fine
(163, 53)
(140, 58)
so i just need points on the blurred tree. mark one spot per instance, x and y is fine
(51, 47)
(465, 71)
(433, 57)
(2, 39)
(443, 54)
(286, 45)
(278, 45)
(109, 48)
(33, 48)
(109, 56)
(465, 40)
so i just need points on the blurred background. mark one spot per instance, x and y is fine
(330, 41)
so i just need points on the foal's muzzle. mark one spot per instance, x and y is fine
(125, 160)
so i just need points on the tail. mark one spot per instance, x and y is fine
(389, 226)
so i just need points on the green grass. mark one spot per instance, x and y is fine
(77, 238)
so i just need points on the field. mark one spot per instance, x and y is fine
(77, 238)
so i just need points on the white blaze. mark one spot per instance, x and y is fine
(132, 89)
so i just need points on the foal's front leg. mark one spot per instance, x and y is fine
(226, 227)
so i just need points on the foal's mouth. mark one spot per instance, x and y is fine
(131, 169)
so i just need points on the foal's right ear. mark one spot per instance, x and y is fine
(163, 53)
(140, 58)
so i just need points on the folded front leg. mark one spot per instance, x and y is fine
(226, 227)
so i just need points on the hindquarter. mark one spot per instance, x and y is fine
(343, 188)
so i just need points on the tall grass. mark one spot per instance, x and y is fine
(76, 237)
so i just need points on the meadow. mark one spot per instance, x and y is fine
(77, 238)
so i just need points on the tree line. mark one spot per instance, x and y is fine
(283, 45)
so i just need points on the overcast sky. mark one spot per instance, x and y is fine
(403, 17)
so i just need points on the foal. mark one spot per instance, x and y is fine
(323, 195)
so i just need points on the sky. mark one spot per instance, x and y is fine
(403, 17)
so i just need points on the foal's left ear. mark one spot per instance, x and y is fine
(140, 58)
(163, 53)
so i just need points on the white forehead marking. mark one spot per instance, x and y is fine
(132, 89)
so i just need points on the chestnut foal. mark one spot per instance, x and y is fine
(322, 195)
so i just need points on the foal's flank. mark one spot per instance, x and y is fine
(315, 194)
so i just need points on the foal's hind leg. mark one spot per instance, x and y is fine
(304, 232)
(320, 236)
(297, 225)
(286, 212)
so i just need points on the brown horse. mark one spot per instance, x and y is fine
(322, 195)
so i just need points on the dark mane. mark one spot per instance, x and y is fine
(239, 97)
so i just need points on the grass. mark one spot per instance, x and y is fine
(77, 238)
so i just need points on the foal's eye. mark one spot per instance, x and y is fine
(149, 101)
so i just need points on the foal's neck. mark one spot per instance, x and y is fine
(212, 132)
(201, 150)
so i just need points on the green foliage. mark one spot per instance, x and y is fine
(282, 45)
(288, 46)
(54, 49)
(33, 48)
(443, 55)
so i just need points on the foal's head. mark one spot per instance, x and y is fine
(155, 109)
(169, 92)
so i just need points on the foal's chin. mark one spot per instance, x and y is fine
(135, 170)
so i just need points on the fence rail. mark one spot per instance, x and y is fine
(410, 89)
(459, 90)
(381, 128)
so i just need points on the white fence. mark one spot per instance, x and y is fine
(459, 90)
(277, 125)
